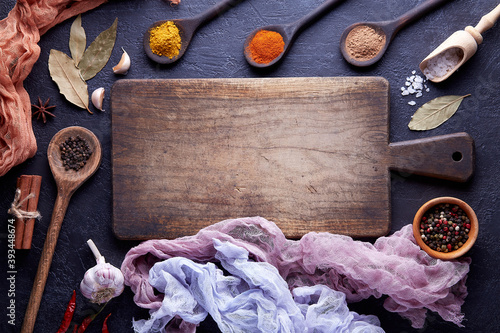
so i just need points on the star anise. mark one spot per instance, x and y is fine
(42, 110)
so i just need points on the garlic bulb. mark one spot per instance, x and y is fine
(123, 66)
(103, 281)
(97, 98)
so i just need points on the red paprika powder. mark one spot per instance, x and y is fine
(265, 46)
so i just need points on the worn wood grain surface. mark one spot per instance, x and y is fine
(311, 154)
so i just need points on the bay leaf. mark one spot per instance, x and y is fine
(77, 40)
(97, 54)
(68, 79)
(435, 112)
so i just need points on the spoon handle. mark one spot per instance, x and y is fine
(42, 273)
(304, 21)
(488, 20)
(212, 12)
(417, 12)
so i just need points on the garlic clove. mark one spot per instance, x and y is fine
(102, 282)
(97, 98)
(123, 66)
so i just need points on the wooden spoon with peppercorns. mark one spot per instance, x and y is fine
(67, 181)
(361, 53)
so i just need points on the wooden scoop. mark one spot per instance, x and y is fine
(187, 28)
(67, 181)
(389, 29)
(288, 31)
(463, 43)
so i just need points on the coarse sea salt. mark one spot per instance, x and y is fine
(414, 85)
(441, 64)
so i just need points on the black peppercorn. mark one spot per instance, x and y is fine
(75, 152)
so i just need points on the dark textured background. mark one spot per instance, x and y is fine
(216, 52)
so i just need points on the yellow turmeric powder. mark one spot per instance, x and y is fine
(165, 40)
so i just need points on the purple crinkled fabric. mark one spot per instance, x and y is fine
(394, 266)
(246, 296)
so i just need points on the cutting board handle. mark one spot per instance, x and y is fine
(448, 157)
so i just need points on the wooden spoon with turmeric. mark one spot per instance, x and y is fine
(170, 44)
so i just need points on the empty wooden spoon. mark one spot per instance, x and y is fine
(187, 27)
(387, 30)
(459, 47)
(67, 181)
(288, 31)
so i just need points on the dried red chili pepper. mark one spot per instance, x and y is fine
(68, 315)
(85, 324)
(75, 328)
(105, 324)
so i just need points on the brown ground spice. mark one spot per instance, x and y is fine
(364, 43)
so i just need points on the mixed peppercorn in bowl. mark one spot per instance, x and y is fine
(445, 227)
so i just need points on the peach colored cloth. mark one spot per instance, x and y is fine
(20, 32)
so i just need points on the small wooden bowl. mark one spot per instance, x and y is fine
(473, 232)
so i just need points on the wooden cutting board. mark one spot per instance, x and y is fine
(310, 154)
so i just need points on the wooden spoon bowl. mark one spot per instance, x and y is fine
(286, 31)
(186, 27)
(386, 29)
(70, 180)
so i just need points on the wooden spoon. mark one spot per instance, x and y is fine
(187, 28)
(389, 29)
(288, 31)
(67, 181)
(464, 43)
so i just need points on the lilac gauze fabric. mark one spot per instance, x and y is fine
(393, 266)
(252, 297)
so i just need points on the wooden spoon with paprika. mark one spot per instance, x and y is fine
(288, 31)
(187, 27)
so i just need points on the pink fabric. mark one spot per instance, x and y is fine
(21, 31)
(394, 266)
